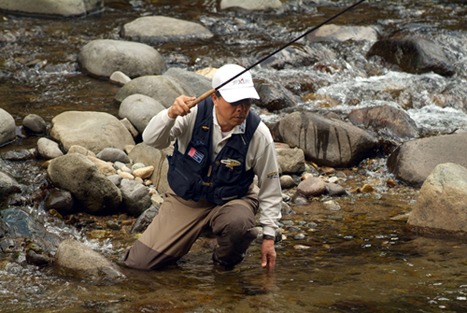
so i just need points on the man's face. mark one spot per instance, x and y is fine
(230, 115)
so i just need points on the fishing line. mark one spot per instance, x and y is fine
(211, 91)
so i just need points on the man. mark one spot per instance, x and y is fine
(220, 147)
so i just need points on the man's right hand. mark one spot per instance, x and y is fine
(180, 107)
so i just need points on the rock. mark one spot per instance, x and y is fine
(7, 127)
(8, 186)
(291, 161)
(274, 97)
(194, 84)
(150, 156)
(139, 109)
(311, 187)
(93, 191)
(48, 149)
(144, 172)
(441, 205)
(326, 141)
(163, 89)
(388, 121)
(65, 8)
(119, 78)
(35, 124)
(136, 197)
(143, 221)
(287, 182)
(413, 55)
(91, 130)
(332, 32)
(59, 200)
(414, 160)
(251, 5)
(103, 57)
(113, 155)
(159, 29)
(73, 258)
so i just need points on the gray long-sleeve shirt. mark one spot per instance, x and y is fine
(261, 157)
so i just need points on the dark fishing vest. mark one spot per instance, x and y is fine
(194, 176)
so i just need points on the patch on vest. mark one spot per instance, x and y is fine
(196, 155)
(230, 163)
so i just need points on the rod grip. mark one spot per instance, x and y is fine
(201, 98)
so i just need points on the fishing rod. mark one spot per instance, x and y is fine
(213, 90)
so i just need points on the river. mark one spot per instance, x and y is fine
(360, 258)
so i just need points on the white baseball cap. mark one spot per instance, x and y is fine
(238, 89)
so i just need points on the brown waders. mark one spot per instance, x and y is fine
(180, 222)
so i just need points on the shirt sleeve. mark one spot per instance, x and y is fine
(162, 130)
(265, 166)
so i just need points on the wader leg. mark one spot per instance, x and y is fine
(234, 226)
(170, 235)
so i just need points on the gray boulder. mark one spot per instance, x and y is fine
(65, 8)
(73, 258)
(77, 174)
(91, 130)
(139, 109)
(414, 160)
(157, 29)
(251, 5)
(413, 55)
(326, 141)
(441, 205)
(103, 57)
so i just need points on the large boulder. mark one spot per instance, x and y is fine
(414, 160)
(157, 29)
(102, 57)
(73, 258)
(326, 141)
(65, 8)
(92, 130)
(139, 109)
(77, 174)
(441, 205)
(413, 55)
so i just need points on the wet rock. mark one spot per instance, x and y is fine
(251, 5)
(334, 189)
(331, 32)
(274, 97)
(413, 55)
(139, 109)
(77, 174)
(75, 259)
(92, 130)
(102, 57)
(287, 182)
(387, 121)
(414, 160)
(158, 29)
(60, 200)
(35, 123)
(48, 149)
(326, 141)
(65, 8)
(113, 155)
(19, 155)
(441, 205)
(291, 160)
(311, 187)
(136, 197)
(144, 220)
(8, 186)
(7, 127)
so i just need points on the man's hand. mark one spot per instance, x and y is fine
(180, 106)
(268, 254)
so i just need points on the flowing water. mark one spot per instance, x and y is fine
(356, 259)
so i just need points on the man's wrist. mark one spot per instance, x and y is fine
(269, 237)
